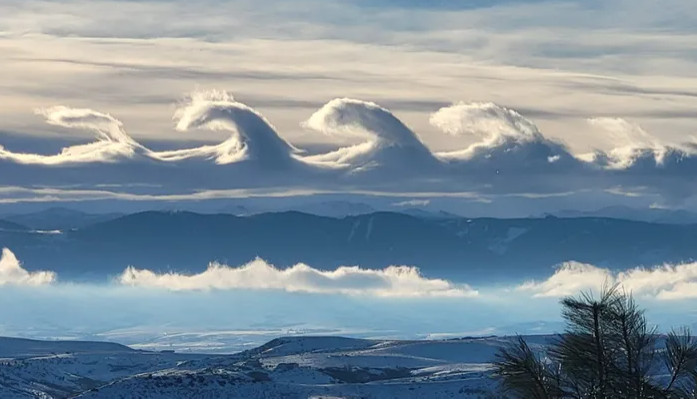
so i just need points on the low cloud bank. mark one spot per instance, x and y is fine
(393, 281)
(12, 273)
(665, 282)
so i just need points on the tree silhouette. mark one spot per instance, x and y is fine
(606, 351)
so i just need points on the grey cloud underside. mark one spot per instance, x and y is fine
(510, 157)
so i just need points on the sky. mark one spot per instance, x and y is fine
(587, 76)
(501, 108)
(557, 62)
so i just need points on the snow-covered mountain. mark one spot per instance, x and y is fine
(289, 367)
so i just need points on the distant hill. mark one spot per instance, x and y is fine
(59, 218)
(327, 208)
(659, 215)
(472, 250)
(12, 226)
(17, 347)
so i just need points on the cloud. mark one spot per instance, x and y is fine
(412, 203)
(19, 194)
(665, 282)
(113, 143)
(511, 155)
(570, 278)
(507, 139)
(632, 145)
(252, 135)
(390, 143)
(393, 281)
(489, 121)
(12, 273)
(623, 133)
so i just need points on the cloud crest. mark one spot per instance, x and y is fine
(252, 135)
(12, 273)
(389, 141)
(393, 281)
(488, 121)
(665, 282)
(113, 143)
(507, 141)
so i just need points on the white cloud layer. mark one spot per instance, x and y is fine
(393, 281)
(666, 282)
(12, 273)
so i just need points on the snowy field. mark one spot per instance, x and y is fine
(288, 367)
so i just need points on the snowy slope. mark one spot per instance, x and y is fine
(297, 367)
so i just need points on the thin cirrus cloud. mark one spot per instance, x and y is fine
(393, 281)
(12, 273)
(664, 282)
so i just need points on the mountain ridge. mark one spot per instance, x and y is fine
(466, 249)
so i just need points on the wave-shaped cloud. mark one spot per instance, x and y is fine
(390, 143)
(486, 120)
(12, 273)
(507, 139)
(510, 155)
(112, 145)
(636, 149)
(665, 282)
(253, 137)
(393, 281)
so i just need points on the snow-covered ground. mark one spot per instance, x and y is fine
(288, 367)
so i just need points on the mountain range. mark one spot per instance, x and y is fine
(473, 250)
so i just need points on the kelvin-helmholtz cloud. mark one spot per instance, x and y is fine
(112, 145)
(389, 143)
(252, 137)
(508, 142)
(509, 155)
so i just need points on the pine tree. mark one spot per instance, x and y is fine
(606, 351)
